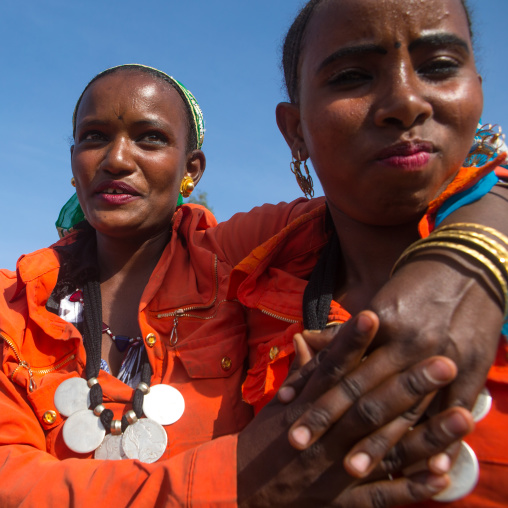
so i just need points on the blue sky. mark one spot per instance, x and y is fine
(226, 52)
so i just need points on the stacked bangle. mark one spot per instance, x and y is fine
(489, 250)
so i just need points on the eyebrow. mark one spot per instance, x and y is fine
(362, 49)
(97, 122)
(151, 123)
(437, 40)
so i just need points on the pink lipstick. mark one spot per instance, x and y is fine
(408, 156)
(115, 192)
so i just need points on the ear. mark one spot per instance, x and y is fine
(288, 120)
(196, 163)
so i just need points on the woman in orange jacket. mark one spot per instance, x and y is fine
(122, 341)
(384, 100)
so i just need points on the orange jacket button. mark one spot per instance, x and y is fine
(274, 351)
(226, 363)
(49, 417)
(151, 339)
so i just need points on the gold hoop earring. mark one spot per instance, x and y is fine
(304, 182)
(187, 186)
(73, 182)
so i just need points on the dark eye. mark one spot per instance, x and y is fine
(92, 136)
(440, 68)
(350, 78)
(153, 137)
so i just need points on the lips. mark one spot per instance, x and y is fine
(115, 187)
(115, 192)
(408, 156)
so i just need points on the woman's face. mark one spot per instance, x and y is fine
(389, 101)
(130, 154)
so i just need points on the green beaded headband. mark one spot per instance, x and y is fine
(191, 102)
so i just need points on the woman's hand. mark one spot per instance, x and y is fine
(316, 471)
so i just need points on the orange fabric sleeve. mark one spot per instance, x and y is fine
(236, 238)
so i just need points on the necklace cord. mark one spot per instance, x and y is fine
(92, 328)
(318, 293)
(93, 343)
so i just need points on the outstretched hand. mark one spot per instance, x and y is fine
(317, 470)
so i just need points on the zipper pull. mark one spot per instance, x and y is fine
(173, 338)
(31, 384)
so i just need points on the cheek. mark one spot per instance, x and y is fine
(82, 167)
(335, 130)
(460, 110)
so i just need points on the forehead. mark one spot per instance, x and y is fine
(129, 92)
(345, 22)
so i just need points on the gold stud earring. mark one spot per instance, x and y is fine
(305, 182)
(73, 182)
(187, 186)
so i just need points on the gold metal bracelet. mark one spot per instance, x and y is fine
(458, 226)
(428, 243)
(490, 248)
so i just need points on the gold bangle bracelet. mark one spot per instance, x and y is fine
(497, 254)
(494, 232)
(428, 243)
(472, 234)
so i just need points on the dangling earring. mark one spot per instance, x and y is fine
(73, 182)
(187, 186)
(305, 182)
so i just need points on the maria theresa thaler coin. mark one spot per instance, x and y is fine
(145, 440)
(463, 476)
(83, 432)
(482, 405)
(111, 448)
(72, 395)
(164, 404)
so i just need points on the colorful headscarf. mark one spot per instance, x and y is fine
(71, 213)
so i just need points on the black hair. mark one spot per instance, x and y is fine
(293, 45)
(191, 131)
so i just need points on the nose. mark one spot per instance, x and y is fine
(119, 156)
(402, 102)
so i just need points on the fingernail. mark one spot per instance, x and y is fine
(360, 461)
(454, 425)
(363, 323)
(436, 483)
(287, 394)
(301, 435)
(441, 462)
(437, 372)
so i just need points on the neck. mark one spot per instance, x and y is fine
(368, 255)
(121, 258)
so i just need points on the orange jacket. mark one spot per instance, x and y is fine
(271, 281)
(40, 350)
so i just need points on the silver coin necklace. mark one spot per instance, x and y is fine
(86, 430)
